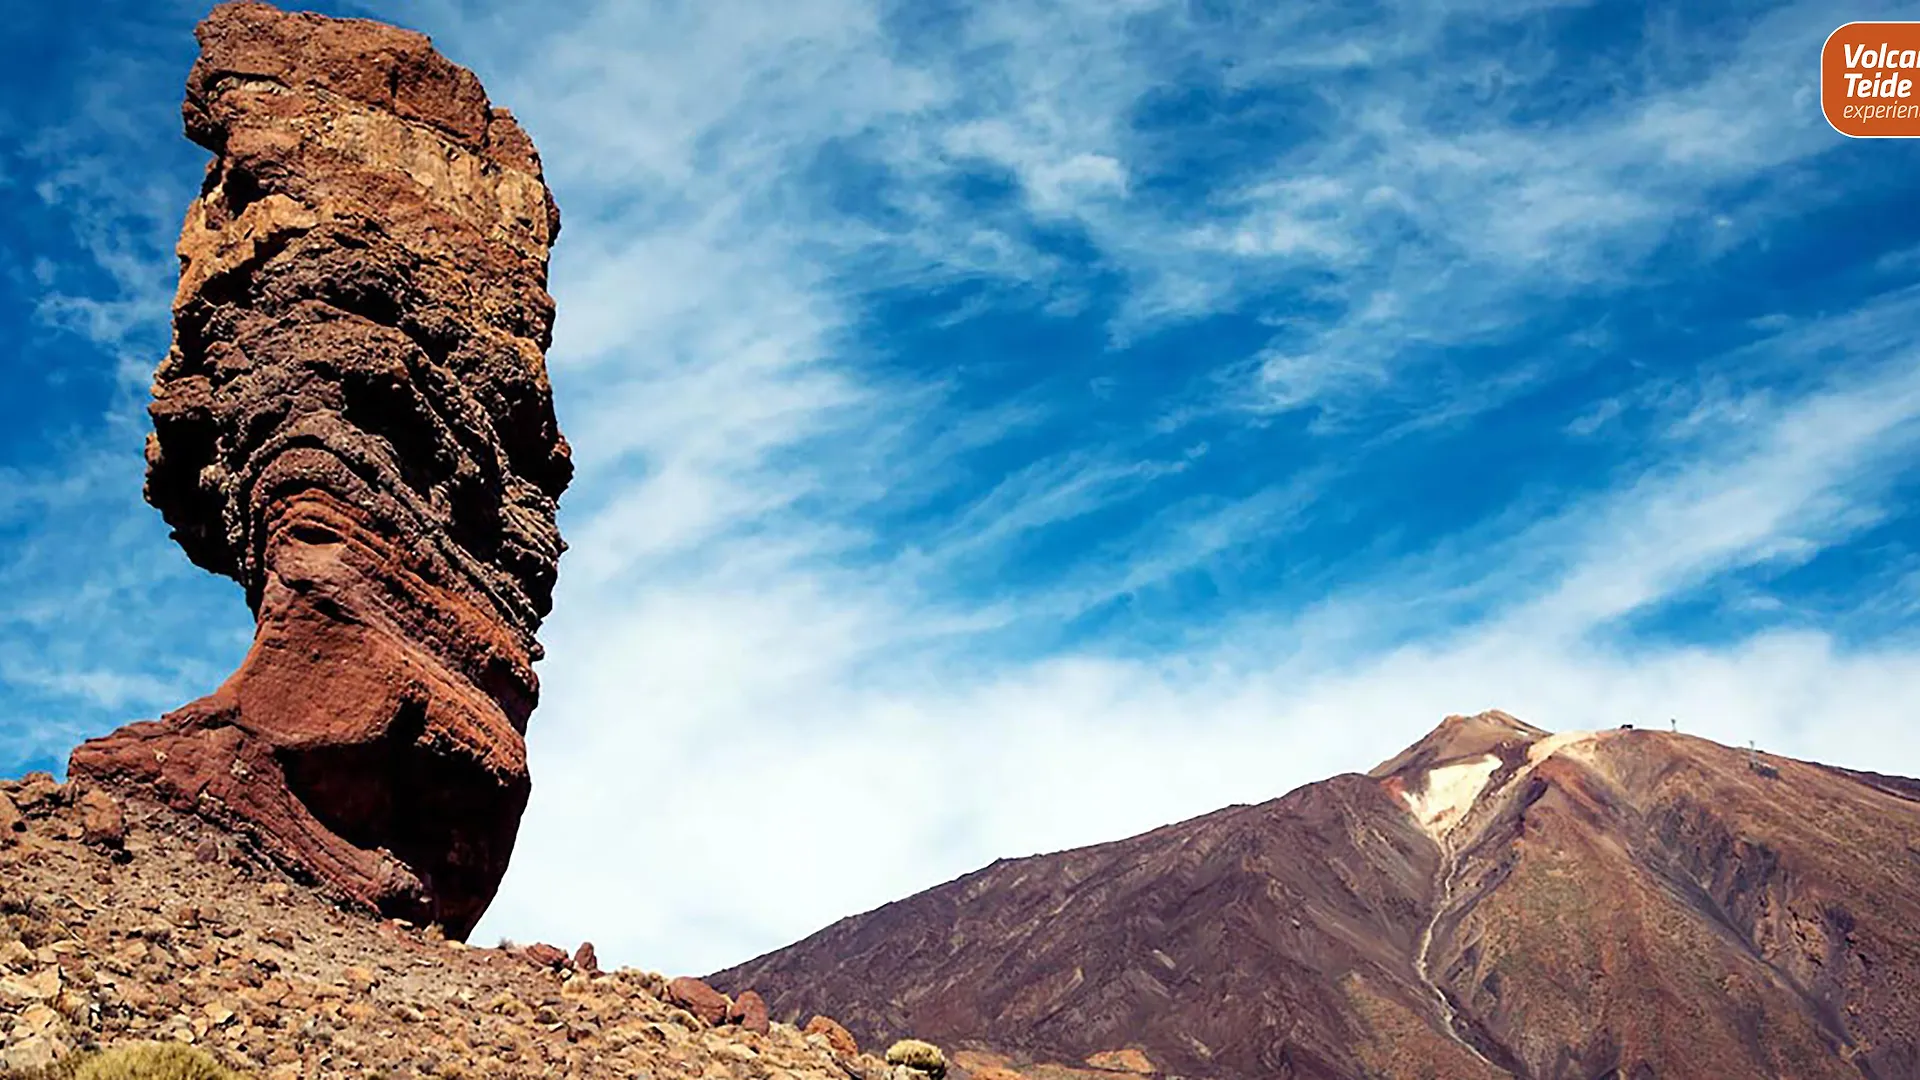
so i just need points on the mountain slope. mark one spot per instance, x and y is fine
(1494, 901)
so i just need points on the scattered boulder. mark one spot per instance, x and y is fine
(355, 423)
(360, 978)
(584, 958)
(39, 794)
(838, 1037)
(40, 986)
(749, 1010)
(920, 1056)
(102, 823)
(34, 1054)
(710, 1006)
(545, 955)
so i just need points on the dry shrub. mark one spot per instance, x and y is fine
(136, 1061)
(915, 1054)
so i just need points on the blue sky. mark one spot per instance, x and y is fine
(1006, 426)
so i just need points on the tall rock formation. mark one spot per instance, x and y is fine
(355, 423)
(1495, 901)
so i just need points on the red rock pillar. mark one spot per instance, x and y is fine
(355, 423)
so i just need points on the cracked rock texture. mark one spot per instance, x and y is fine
(355, 423)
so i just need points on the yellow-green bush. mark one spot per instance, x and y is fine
(915, 1054)
(137, 1061)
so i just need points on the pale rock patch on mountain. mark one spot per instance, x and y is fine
(1449, 792)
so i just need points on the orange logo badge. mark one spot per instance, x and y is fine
(1870, 80)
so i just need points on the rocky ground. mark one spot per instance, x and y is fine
(123, 920)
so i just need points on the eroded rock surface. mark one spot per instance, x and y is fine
(355, 423)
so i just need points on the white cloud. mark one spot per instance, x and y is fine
(1790, 491)
(1474, 221)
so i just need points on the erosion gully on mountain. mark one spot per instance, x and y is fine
(1421, 958)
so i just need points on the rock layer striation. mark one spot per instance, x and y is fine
(355, 423)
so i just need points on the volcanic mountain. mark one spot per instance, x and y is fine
(1495, 901)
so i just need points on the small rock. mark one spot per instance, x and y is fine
(208, 851)
(750, 1012)
(545, 955)
(38, 1020)
(584, 958)
(273, 992)
(360, 979)
(34, 1052)
(703, 1001)
(43, 985)
(839, 1038)
(15, 954)
(39, 794)
(102, 823)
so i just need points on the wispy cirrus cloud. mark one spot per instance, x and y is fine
(103, 622)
